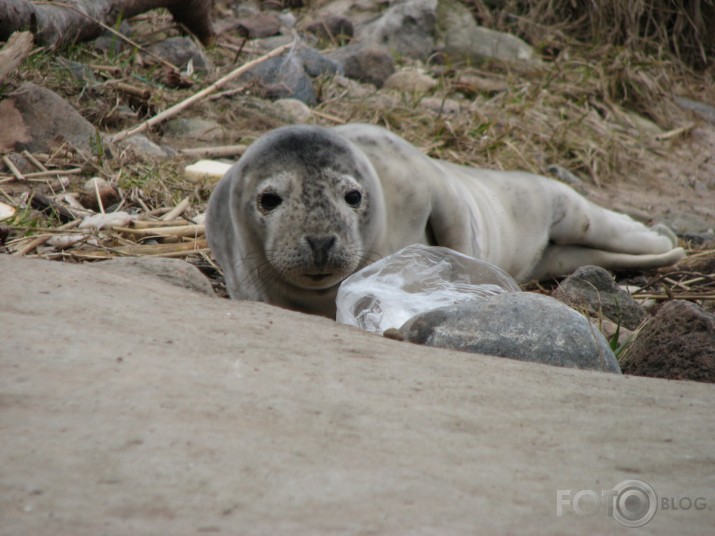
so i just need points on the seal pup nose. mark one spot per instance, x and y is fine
(320, 247)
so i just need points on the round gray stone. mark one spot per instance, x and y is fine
(593, 289)
(517, 325)
(195, 129)
(366, 63)
(282, 78)
(331, 26)
(405, 28)
(50, 118)
(317, 64)
(460, 39)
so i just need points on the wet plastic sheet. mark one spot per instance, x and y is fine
(414, 280)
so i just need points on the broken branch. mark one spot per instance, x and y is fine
(172, 111)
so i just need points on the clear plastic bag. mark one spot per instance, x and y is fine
(414, 280)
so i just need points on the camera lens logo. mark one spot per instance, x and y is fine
(634, 503)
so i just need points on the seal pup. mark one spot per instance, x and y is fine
(307, 206)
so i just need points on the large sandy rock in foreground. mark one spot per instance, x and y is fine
(128, 406)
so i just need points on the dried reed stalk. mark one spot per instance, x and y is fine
(173, 110)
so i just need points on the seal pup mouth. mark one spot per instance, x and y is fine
(319, 280)
(318, 277)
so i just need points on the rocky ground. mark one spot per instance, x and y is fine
(631, 131)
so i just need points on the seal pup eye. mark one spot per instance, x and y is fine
(269, 201)
(353, 198)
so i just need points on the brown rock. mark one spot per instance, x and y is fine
(14, 130)
(332, 27)
(259, 25)
(51, 120)
(677, 343)
(593, 289)
(410, 81)
(95, 190)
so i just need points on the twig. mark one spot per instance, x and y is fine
(99, 197)
(158, 250)
(141, 93)
(674, 283)
(695, 280)
(170, 112)
(111, 69)
(41, 230)
(103, 255)
(333, 118)
(147, 224)
(218, 151)
(119, 35)
(13, 169)
(146, 209)
(675, 296)
(177, 211)
(14, 52)
(49, 172)
(229, 92)
(704, 253)
(12, 201)
(181, 230)
(34, 161)
(675, 132)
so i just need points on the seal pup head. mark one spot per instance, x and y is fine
(310, 204)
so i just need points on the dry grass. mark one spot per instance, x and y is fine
(683, 27)
(594, 114)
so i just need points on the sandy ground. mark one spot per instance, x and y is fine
(676, 187)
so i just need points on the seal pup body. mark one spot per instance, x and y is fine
(306, 206)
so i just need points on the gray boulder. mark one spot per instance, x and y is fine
(256, 24)
(418, 28)
(331, 26)
(365, 62)
(406, 28)
(359, 12)
(690, 221)
(179, 51)
(51, 120)
(458, 37)
(314, 62)
(317, 64)
(110, 42)
(517, 325)
(411, 81)
(593, 289)
(143, 146)
(195, 129)
(282, 78)
(701, 109)
(294, 110)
